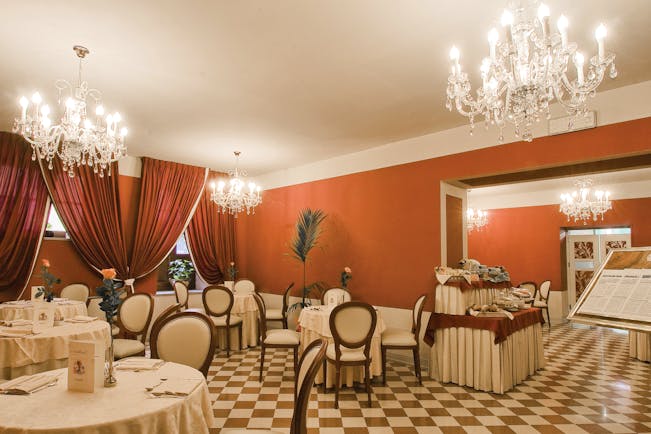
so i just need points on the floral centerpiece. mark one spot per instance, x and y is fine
(232, 271)
(346, 275)
(49, 280)
(181, 270)
(110, 292)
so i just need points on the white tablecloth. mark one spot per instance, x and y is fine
(452, 300)
(125, 408)
(315, 324)
(640, 345)
(48, 349)
(470, 357)
(245, 307)
(25, 310)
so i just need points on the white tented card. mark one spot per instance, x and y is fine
(85, 365)
(35, 289)
(43, 316)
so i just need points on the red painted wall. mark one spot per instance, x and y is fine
(526, 240)
(385, 223)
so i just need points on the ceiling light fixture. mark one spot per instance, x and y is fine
(78, 139)
(237, 197)
(476, 219)
(527, 72)
(580, 205)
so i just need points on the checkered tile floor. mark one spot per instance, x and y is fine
(589, 385)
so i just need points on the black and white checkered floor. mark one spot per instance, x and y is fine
(589, 385)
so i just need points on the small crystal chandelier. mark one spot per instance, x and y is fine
(77, 139)
(581, 205)
(476, 219)
(237, 197)
(528, 71)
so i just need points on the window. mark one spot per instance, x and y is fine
(55, 227)
(602, 231)
(180, 251)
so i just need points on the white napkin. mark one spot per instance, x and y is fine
(176, 387)
(442, 278)
(17, 322)
(28, 384)
(81, 318)
(139, 364)
(500, 312)
(17, 302)
(12, 332)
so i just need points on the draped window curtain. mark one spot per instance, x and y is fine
(211, 239)
(169, 194)
(89, 207)
(24, 205)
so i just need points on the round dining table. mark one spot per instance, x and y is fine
(24, 309)
(244, 306)
(31, 353)
(126, 408)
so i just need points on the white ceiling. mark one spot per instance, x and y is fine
(287, 82)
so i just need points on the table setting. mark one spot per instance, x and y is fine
(24, 309)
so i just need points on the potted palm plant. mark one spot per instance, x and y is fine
(180, 270)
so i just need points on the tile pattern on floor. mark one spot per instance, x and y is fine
(589, 385)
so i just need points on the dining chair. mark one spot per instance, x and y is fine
(532, 287)
(92, 306)
(280, 314)
(134, 316)
(182, 294)
(352, 325)
(542, 299)
(76, 291)
(244, 286)
(168, 311)
(340, 294)
(308, 367)
(218, 302)
(275, 338)
(398, 339)
(188, 338)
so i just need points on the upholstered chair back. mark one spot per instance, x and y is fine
(244, 286)
(182, 293)
(188, 338)
(76, 291)
(286, 296)
(352, 324)
(530, 286)
(308, 367)
(417, 315)
(544, 290)
(135, 314)
(217, 300)
(262, 313)
(339, 294)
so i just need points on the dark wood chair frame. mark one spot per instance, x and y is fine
(545, 299)
(226, 313)
(124, 331)
(335, 287)
(532, 283)
(169, 310)
(187, 295)
(158, 325)
(285, 306)
(416, 323)
(339, 341)
(262, 328)
(299, 418)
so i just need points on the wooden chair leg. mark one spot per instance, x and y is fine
(261, 361)
(241, 346)
(337, 373)
(549, 321)
(295, 361)
(228, 341)
(416, 351)
(384, 365)
(367, 375)
(285, 323)
(325, 374)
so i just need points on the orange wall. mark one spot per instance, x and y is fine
(385, 223)
(526, 240)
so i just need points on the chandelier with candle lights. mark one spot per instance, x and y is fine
(582, 205)
(236, 196)
(476, 219)
(77, 138)
(527, 70)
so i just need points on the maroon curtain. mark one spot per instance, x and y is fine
(89, 207)
(24, 205)
(211, 239)
(169, 193)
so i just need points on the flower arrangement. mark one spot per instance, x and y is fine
(181, 270)
(232, 271)
(346, 275)
(49, 280)
(110, 293)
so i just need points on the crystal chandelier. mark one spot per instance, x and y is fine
(581, 205)
(237, 197)
(476, 219)
(528, 71)
(77, 139)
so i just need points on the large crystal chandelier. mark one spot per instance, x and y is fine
(236, 197)
(476, 219)
(78, 138)
(527, 71)
(581, 205)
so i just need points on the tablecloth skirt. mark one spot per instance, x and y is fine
(640, 345)
(454, 301)
(469, 357)
(249, 332)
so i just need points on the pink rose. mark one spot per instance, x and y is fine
(347, 270)
(46, 263)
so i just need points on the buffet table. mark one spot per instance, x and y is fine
(640, 345)
(125, 408)
(456, 294)
(24, 309)
(491, 354)
(314, 322)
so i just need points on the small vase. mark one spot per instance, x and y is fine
(109, 377)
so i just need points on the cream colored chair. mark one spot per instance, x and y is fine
(307, 369)
(541, 299)
(76, 291)
(276, 338)
(134, 316)
(398, 339)
(339, 294)
(244, 286)
(280, 314)
(532, 287)
(218, 302)
(352, 325)
(182, 294)
(188, 338)
(92, 305)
